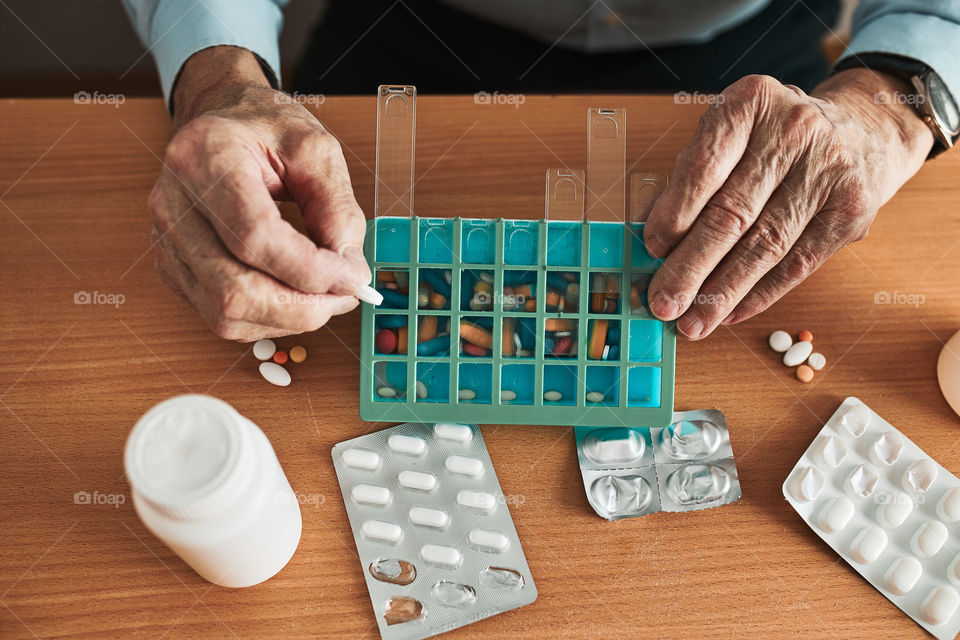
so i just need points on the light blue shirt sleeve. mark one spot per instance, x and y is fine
(925, 30)
(173, 30)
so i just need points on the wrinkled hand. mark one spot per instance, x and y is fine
(219, 238)
(774, 182)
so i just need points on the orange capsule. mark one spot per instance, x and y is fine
(556, 324)
(634, 298)
(437, 300)
(598, 339)
(428, 329)
(280, 357)
(506, 346)
(475, 334)
(553, 298)
(524, 290)
(805, 336)
(402, 339)
(386, 276)
(530, 304)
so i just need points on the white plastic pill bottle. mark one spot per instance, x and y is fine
(207, 482)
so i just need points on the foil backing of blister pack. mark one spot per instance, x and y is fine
(888, 509)
(630, 471)
(435, 538)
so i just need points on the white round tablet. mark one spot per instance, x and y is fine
(274, 374)
(869, 544)
(928, 539)
(816, 361)
(264, 349)
(796, 354)
(780, 341)
(836, 514)
(939, 605)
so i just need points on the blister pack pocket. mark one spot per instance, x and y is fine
(888, 509)
(434, 535)
(629, 472)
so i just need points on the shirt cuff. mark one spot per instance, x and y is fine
(180, 28)
(922, 37)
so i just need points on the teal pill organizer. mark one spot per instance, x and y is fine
(510, 321)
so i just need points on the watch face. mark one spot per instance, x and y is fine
(942, 103)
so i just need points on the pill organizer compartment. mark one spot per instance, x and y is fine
(888, 509)
(554, 309)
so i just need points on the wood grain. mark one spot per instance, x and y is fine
(74, 378)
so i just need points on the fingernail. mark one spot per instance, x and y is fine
(656, 245)
(690, 325)
(664, 307)
(369, 295)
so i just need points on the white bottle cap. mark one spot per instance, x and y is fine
(189, 457)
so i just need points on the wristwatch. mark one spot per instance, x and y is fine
(932, 100)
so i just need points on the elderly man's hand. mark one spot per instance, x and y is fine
(219, 238)
(774, 182)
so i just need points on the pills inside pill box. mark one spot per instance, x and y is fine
(434, 535)
(888, 509)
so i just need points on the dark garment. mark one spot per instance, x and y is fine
(410, 46)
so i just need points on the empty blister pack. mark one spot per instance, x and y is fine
(435, 538)
(630, 472)
(885, 506)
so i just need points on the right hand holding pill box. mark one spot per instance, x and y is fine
(885, 506)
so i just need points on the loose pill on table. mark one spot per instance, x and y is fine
(928, 539)
(409, 445)
(264, 349)
(379, 530)
(460, 433)
(370, 494)
(491, 541)
(419, 480)
(274, 374)
(797, 353)
(464, 466)
(804, 373)
(902, 575)
(552, 396)
(476, 500)
(361, 459)
(440, 555)
(805, 336)
(948, 508)
(280, 357)
(939, 605)
(298, 354)
(836, 514)
(427, 517)
(780, 341)
(816, 361)
(868, 545)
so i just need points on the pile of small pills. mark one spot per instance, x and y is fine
(273, 359)
(799, 354)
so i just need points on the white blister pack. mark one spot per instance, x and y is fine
(630, 472)
(435, 538)
(888, 509)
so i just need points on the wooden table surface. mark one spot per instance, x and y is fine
(74, 378)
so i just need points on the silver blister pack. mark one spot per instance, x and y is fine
(888, 509)
(630, 472)
(434, 535)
